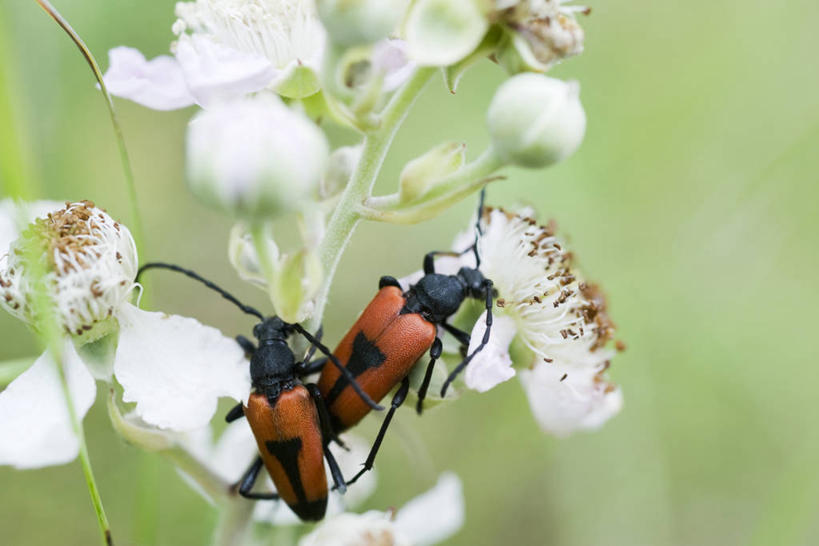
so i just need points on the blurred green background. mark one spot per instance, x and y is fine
(693, 200)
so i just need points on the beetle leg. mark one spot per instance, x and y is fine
(312, 349)
(237, 412)
(249, 478)
(434, 354)
(487, 284)
(460, 335)
(335, 471)
(307, 368)
(397, 400)
(246, 344)
(344, 371)
(327, 432)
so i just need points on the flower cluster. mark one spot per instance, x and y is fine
(266, 76)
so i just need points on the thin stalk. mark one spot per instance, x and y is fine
(346, 215)
(136, 218)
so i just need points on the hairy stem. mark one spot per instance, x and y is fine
(346, 216)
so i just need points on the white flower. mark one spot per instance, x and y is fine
(91, 264)
(172, 367)
(254, 157)
(543, 32)
(225, 48)
(559, 319)
(429, 518)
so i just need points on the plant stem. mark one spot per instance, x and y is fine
(85, 460)
(257, 232)
(346, 215)
(446, 192)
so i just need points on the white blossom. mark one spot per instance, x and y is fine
(224, 49)
(545, 306)
(172, 367)
(427, 519)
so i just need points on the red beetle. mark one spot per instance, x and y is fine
(392, 333)
(288, 418)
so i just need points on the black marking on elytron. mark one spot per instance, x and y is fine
(365, 355)
(287, 452)
(311, 511)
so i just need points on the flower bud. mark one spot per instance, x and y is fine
(420, 174)
(358, 22)
(535, 121)
(442, 32)
(255, 157)
(90, 266)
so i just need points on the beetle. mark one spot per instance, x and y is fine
(393, 332)
(287, 417)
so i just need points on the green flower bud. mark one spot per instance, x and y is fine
(420, 174)
(358, 22)
(254, 157)
(535, 121)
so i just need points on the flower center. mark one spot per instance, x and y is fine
(283, 31)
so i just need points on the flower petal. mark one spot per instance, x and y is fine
(435, 515)
(35, 426)
(565, 399)
(349, 529)
(175, 368)
(216, 72)
(158, 83)
(492, 365)
(442, 32)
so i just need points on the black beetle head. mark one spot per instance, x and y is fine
(271, 329)
(475, 282)
(439, 296)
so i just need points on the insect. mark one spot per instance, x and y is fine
(393, 332)
(288, 418)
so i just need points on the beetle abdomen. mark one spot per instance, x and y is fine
(379, 350)
(290, 443)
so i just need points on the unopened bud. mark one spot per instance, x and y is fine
(535, 121)
(255, 157)
(442, 32)
(359, 22)
(420, 174)
(340, 168)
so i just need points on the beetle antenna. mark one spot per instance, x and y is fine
(478, 230)
(193, 275)
(488, 285)
(344, 371)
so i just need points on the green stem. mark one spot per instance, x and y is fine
(346, 215)
(257, 232)
(85, 460)
(444, 194)
(136, 218)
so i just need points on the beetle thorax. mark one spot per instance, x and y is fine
(272, 363)
(436, 296)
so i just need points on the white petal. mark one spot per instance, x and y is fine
(175, 368)
(565, 399)
(158, 83)
(35, 427)
(492, 365)
(435, 515)
(216, 72)
(232, 453)
(370, 528)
